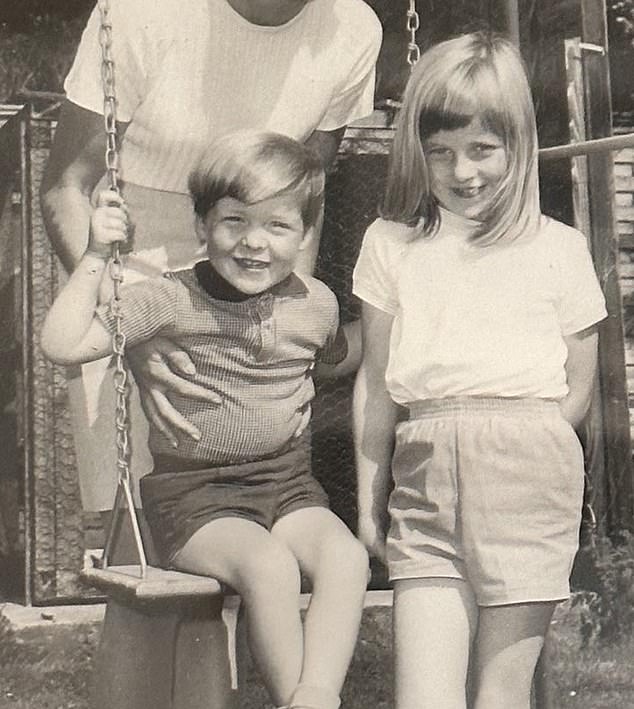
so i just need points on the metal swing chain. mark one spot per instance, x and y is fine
(120, 376)
(413, 24)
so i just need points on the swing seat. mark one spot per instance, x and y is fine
(126, 583)
(164, 643)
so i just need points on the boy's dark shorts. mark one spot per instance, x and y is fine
(178, 503)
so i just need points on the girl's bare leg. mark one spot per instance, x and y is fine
(264, 572)
(434, 625)
(506, 650)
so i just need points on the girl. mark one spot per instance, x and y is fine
(479, 319)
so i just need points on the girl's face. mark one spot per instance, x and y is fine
(465, 166)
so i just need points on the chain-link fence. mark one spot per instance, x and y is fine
(353, 193)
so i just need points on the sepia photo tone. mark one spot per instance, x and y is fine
(257, 258)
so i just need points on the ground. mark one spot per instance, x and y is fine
(49, 666)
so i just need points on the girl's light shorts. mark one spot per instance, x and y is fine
(489, 491)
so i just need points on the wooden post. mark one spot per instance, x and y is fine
(593, 437)
(512, 20)
(604, 239)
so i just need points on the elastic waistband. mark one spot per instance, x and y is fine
(454, 406)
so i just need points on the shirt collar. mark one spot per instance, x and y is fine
(217, 287)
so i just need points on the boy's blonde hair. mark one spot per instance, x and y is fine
(480, 76)
(252, 166)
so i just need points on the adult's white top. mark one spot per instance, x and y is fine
(478, 321)
(187, 71)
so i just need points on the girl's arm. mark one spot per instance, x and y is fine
(580, 372)
(72, 333)
(374, 418)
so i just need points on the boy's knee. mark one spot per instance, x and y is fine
(358, 557)
(276, 571)
(349, 559)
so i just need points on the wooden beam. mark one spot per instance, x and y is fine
(604, 240)
(585, 147)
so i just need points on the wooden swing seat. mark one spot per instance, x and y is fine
(164, 643)
(127, 584)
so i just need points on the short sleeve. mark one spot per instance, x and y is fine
(148, 308)
(335, 349)
(374, 278)
(581, 303)
(354, 98)
(131, 53)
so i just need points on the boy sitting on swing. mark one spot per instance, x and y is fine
(240, 503)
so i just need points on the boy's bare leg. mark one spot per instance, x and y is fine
(264, 572)
(337, 565)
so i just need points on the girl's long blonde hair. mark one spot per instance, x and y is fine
(480, 76)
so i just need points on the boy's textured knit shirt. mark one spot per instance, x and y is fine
(256, 352)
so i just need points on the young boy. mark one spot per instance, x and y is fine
(240, 503)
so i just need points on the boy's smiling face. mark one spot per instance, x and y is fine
(254, 246)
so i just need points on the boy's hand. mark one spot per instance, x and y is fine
(109, 223)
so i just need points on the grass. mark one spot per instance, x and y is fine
(597, 676)
(51, 668)
(46, 669)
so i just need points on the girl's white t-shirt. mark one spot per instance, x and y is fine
(478, 321)
(187, 71)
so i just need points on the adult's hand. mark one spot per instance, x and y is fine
(74, 167)
(160, 367)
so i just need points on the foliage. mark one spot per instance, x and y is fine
(39, 60)
(607, 611)
(595, 676)
(21, 16)
(622, 13)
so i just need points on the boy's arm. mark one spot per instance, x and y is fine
(374, 418)
(581, 367)
(72, 333)
(350, 363)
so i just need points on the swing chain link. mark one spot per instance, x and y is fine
(116, 266)
(109, 96)
(413, 24)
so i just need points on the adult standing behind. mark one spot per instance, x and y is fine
(187, 71)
